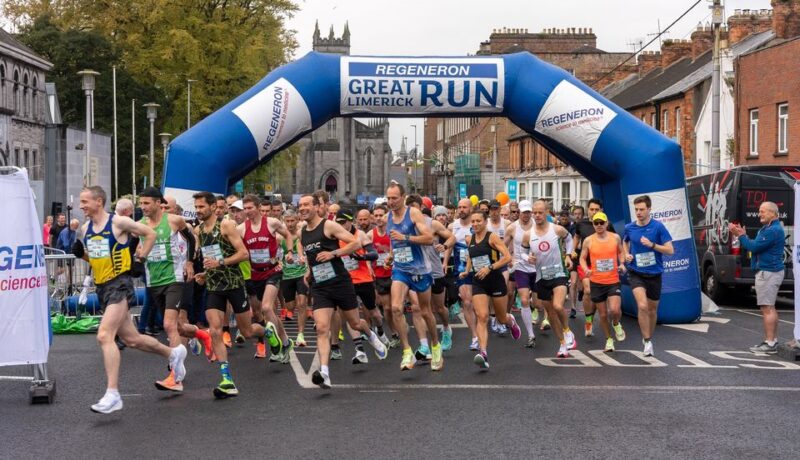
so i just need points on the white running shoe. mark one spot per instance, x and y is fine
(569, 339)
(176, 359)
(322, 380)
(648, 348)
(108, 404)
(474, 345)
(563, 352)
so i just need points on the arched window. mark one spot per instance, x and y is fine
(17, 104)
(369, 153)
(35, 98)
(3, 85)
(26, 96)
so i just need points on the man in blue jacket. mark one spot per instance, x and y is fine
(67, 237)
(767, 262)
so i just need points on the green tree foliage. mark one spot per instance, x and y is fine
(226, 45)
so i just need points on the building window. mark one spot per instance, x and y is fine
(754, 132)
(783, 127)
(547, 193)
(678, 124)
(665, 122)
(523, 192)
(369, 166)
(34, 164)
(439, 131)
(332, 129)
(16, 158)
(17, 105)
(566, 193)
(585, 193)
(534, 190)
(35, 98)
(653, 119)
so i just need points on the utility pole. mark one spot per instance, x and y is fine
(716, 22)
(494, 158)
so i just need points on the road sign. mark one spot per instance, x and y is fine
(462, 191)
(268, 188)
(511, 189)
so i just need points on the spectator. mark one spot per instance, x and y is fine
(67, 237)
(767, 262)
(55, 230)
(48, 222)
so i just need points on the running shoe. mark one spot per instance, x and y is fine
(195, 347)
(226, 339)
(481, 360)
(108, 404)
(545, 325)
(572, 313)
(301, 340)
(289, 315)
(380, 349)
(516, 332)
(493, 324)
(569, 338)
(225, 389)
(423, 353)
(502, 330)
(261, 350)
(176, 359)
(395, 341)
(205, 339)
(455, 310)
(408, 360)
(385, 340)
(563, 352)
(322, 380)
(447, 339)
(169, 383)
(609, 345)
(271, 337)
(648, 347)
(239, 338)
(283, 314)
(341, 335)
(764, 347)
(360, 357)
(531, 343)
(437, 361)
(286, 353)
(336, 354)
(619, 332)
(535, 316)
(588, 329)
(474, 345)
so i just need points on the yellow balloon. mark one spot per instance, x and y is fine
(474, 200)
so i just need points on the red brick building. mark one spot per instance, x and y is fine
(768, 94)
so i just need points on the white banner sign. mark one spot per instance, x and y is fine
(796, 260)
(421, 85)
(24, 314)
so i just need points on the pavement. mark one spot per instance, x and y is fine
(702, 396)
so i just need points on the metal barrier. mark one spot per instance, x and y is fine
(65, 274)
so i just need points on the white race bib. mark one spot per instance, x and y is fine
(98, 248)
(462, 254)
(260, 256)
(323, 272)
(403, 255)
(158, 253)
(552, 271)
(605, 265)
(645, 259)
(212, 251)
(382, 259)
(350, 264)
(480, 262)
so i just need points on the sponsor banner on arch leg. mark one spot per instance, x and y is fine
(671, 209)
(421, 85)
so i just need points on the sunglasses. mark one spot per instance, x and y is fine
(598, 222)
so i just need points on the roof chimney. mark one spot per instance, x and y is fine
(747, 22)
(702, 41)
(674, 50)
(786, 18)
(647, 61)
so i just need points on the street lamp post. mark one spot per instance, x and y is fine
(87, 84)
(152, 110)
(189, 82)
(416, 188)
(164, 144)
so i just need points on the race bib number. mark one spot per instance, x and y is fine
(212, 251)
(158, 253)
(552, 271)
(403, 255)
(350, 263)
(462, 254)
(98, 248)
(480, 262)
(323, 272)
(605, 265)
(260, 256)
(382, 259)
(645, 259)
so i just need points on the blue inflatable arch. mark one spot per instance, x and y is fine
(620, 155)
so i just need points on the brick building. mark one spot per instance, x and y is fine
(768, 94)
(460, 150)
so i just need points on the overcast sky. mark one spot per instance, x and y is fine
(456, 27)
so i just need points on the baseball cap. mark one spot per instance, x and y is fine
(342, 215)
(439, 210)
(494, 204)
(238, 205)
(525, 206)
(600, 216)
(152, 192)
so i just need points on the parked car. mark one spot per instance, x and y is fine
(734, 195)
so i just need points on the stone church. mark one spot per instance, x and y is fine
(349, 158)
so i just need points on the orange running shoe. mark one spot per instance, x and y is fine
(289, 314)
(283, 314)
(261, 350)
(226, 339)
(169, 383)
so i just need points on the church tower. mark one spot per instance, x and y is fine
(332, 44)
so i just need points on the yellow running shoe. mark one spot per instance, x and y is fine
(437, 363)
(408, 360)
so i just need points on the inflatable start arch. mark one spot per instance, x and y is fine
(621, 156)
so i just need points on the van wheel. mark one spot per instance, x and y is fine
(711, 286)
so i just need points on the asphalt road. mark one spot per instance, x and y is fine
(702, 396)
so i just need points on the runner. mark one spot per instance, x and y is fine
(166, 270)
(462, 228)
(646, 241)
(607, 261)
(524, 271)
(445, 249)
(293, 286)
(411, 271)
(259, 236)
(497, 225)
(222, 249)
(364, 220)
(383, 272)
(487, 256)
(547, 242)
(332, 286)
(104, 244)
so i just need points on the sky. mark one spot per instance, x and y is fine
(456, 27)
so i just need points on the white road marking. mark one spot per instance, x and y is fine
(748, 312)
(715, 319)
(647, 388)
(694, 327)
(303, 377)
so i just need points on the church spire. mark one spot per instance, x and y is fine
(316, 30)
(330, 34)
(346, 34)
